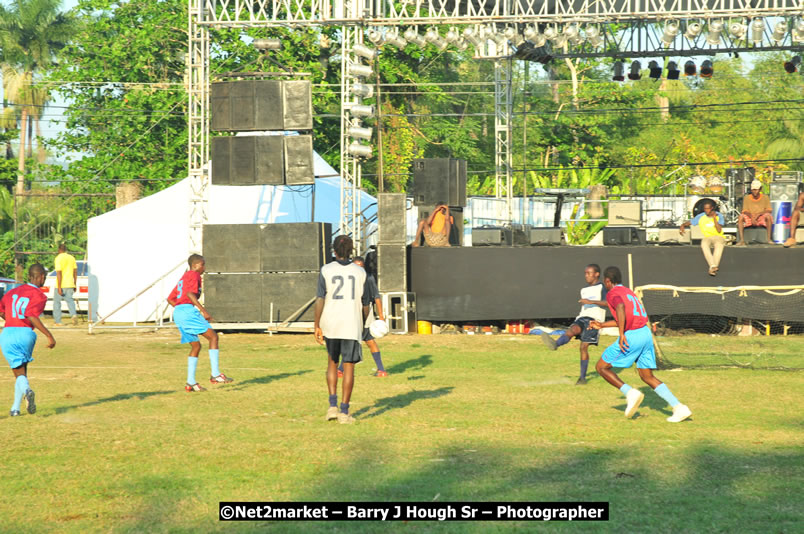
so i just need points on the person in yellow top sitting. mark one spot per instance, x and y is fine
(756, 212)
(66, 277)
(711, 224)
(435, 228)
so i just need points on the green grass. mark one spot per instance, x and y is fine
(118, 446)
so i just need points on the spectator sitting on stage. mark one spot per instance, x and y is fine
(435, 228)
(711, 224)
(797, 209)
(756, 212)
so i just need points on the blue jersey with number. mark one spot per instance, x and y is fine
(635, 315)
(342, 285)
(21, 303)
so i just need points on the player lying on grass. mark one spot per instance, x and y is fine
(635, 344)
(192, 319)
(376, 302)
(21, 308)
(592, 309)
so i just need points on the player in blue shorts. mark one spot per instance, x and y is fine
(635, 344)
(21, 308)
(592, 309)
(192, 320)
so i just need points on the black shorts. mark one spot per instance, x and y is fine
(367, 335)
(587, 335)
(349, 349)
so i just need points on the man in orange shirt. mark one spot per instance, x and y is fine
(756, 212)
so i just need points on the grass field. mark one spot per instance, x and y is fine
(118, 446)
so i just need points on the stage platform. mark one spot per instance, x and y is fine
(459, 284)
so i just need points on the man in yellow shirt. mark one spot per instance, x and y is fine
(756, 212)
(711, 225)
(66, 277)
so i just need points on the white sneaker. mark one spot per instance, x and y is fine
(332, 413)
(680, 412)
(634, 398)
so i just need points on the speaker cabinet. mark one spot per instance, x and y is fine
(742, 180)
(545, 236)
(392, 261)
(623, 235)
(438, 180)
(671, 236)
(295, 246)
(288, 292)
(233, 298)
(486, 236)
(392, 215)
(257, 105)
(625, 213)
(299, 160)
(784, 191)
(232, 248)
(248, 160)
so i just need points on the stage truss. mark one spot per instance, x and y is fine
(628, 29)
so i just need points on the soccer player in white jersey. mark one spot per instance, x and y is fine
(341, 307)
(593, 308)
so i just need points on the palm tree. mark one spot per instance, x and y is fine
(31, 32)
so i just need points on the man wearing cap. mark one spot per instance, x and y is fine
(797, 209)
(756, 212)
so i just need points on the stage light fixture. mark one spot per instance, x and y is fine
(593, 36)
(452, 35)
(435, 39)
(757, 31)
(792, 65)
(798, 32)
(360, 71)
(267, 44)
(471, 35)
(669, 35)
(412, 36)
(738, 30)
(393, 38)
(362, 90)
(655, 69)
(573, 34)
(633, 73)
(360, 132)
(361, 110)
(551, 33)
(364, 51)
(375, 37)
(461, 44)
(707, 69)
(619, 70)
(714, 33)
(362, 151)
(693, 31)
(779, 31)
(690, 69)
(672, 70)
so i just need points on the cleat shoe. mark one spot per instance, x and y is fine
(381, 373)
(14, 413)
(30, 401)
(345, 418)
(340, 373)
(220, 379)
(680, 412)
(332, 413)
(634, 398)
(580, 382)
(550, 342)
(190, 388)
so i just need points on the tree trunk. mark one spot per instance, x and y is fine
(574, 73)
(663, 102)
(21, 165)
(30, 136)
(41, 155)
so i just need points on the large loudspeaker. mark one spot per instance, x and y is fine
(545, 236)
(392, 261)
(485, 236)
(248, 160)
(232, 248)
(439, 180)
(391, 211)
(625, 213)
(742, 180)
(299, 160)
(295, 246)
(233, 298)
(623, 235)
(288, 292)
(255, 105)
(784, 191)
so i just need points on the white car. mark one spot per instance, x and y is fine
(81, 293)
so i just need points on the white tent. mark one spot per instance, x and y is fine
(143, 247)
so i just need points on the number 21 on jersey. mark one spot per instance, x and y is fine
(338, 282)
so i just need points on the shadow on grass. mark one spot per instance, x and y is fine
(416, 363)
(267, 379)
(140, 395)
(400, 401)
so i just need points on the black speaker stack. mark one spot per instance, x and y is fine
(392, 255)
(257, 106)
(261, 273)
(441, 181)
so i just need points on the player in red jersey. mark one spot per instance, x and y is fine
(192, 320)
(635, 344)
(21, 308)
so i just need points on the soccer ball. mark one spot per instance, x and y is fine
(378, 328)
